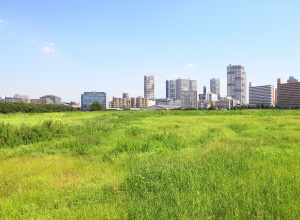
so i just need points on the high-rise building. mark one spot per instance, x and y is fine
(89, 97)
(262, 95)
(149, 86)
(236, 83)
(215, 86)
(189, 99)
(170, 89)
(125, 96)
(288, 93)
(56, 100)
(204, 90)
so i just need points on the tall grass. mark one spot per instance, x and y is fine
(150, 165)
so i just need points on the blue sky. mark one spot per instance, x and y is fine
(68, 47)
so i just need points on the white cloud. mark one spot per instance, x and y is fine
(190, 65)
(1, 21)
(48, 49)
(50, 44)
(33, 40)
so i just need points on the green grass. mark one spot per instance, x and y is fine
(150, 165)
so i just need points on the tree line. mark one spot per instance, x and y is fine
(10, 107)
(263, 106)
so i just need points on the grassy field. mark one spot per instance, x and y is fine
(150, 165)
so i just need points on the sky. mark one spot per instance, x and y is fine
(70, 47)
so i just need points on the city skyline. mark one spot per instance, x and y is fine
(73, 48)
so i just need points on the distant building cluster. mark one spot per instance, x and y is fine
(183, 93)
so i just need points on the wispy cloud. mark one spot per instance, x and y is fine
(50, 44)
(48, 49)
(190, 65)
(33, 40)
(1, 21)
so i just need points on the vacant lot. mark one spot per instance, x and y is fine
(150, 165)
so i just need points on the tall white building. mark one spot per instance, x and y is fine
(215, 86)
(236, 83)
(262, 95)
(149, 86)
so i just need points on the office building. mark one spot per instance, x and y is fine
(288, 93)
(89, 97)
(170, 89)
(215, 86)
(56, 100)
(261, 95)
(149, 86)
(236, 83)
(189, 99)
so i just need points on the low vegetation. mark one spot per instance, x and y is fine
(150, 165)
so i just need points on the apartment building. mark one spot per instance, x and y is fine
(288, 93)
(120, 102)
(141, 102)
(262, 95)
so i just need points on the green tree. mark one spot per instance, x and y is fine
(96, 106)
(212, 107)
